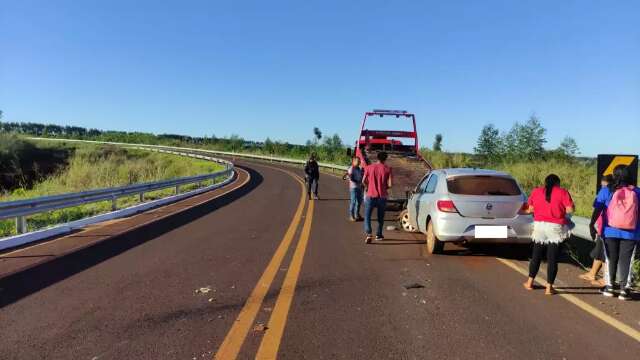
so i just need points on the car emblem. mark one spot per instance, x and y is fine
(489, 206)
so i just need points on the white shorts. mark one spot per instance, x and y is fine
(546, 232)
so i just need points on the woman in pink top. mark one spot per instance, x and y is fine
(550, 205)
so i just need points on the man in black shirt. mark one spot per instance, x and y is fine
(312, 175)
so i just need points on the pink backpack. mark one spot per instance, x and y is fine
(622, 212)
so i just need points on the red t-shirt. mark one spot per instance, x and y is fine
(376, 176)
(553, 211)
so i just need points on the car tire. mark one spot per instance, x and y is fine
(433, 245)
(404, 222)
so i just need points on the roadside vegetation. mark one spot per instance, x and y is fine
(89, 167)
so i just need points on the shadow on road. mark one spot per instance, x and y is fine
(388, 241)
(16, 286)
(507, 251)
(520, 252)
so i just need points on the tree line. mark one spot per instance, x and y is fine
(523, 142)
(328, 149)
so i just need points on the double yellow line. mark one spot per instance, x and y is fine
(270, 344)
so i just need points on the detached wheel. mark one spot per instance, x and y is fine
(404, 222)
(433, 245)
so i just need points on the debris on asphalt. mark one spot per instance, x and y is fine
(413, 286)
(211, 300)
(423, 301)
(404, 294)
(203, 290)
(391, 228)
(260, 327)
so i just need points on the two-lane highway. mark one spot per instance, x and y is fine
(290, 278)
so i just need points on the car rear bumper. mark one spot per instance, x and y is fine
(453, 227)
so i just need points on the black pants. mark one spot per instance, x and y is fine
(619, 254)
(312, 186)
(598, 250)
(553, 250)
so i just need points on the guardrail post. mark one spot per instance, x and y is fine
(21, 224)
(141, 197)
(114, 203)
(177, 189)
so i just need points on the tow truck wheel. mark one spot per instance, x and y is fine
(433, 245)
(404, 221)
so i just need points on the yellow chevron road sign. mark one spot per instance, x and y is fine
(608, 162)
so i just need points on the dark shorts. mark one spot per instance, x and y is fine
(598, 250)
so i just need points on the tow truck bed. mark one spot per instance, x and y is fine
(408, 167)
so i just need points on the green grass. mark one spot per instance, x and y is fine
(93, 167)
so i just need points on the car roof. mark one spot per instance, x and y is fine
(472, 171)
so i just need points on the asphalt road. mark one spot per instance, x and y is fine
(293, 279)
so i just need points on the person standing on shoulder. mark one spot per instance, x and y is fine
(312, 175)
(619, 203)
(550, 205)
(377, 180)
(597, 254)
(355, 175)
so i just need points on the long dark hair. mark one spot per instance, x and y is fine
(550, 182)
(621, 177)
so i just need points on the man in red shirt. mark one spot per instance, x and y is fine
(377, 180)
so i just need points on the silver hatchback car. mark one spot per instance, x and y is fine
(469, 205)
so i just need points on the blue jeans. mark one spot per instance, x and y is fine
(355, 202)
(369, 204)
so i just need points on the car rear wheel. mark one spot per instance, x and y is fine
(404, 221)
(433, 245)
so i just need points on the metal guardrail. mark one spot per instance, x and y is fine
(19, 209)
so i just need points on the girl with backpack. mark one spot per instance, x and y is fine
(550, 205)
(619, 205)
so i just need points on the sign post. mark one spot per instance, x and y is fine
(608, 162)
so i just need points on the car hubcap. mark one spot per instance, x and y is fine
(406, 225)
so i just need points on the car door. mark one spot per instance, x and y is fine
(425, 202)
(414, 202)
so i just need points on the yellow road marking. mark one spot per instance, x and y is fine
(232, 343)
(272, 338)
(615, 323)
(618, 160)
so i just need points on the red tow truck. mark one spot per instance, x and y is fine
(408, 166)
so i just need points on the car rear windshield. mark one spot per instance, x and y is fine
(483, 185)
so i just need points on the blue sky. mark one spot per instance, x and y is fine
(279, 68)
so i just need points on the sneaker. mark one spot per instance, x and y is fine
(608, 291)
(315, 197)
(379, 238)
(368, 239)
(359, 218)
(625, 294)
(352, 219)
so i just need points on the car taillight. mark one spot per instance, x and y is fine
(447, 206)
(524, 210)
